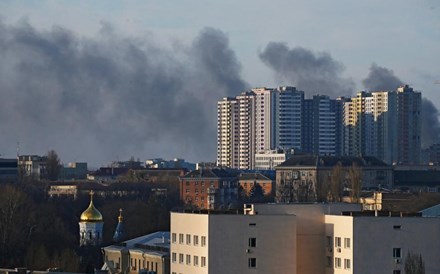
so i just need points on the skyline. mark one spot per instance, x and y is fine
(101, 61)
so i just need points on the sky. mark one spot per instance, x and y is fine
(101, 81)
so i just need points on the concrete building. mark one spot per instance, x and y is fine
(409, 105)
(232, 243)
(146, 254)
(236, 131)
(385, 249)
(8, 170)
(32, 166)
(209, 188)
(300, 178)
(248, 181)
(301, 238)
(269, 159)
(319, 126)
(73, 171)
(288, 115)
(264, 118)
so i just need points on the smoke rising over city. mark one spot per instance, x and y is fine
(113, 96)
(312, 72)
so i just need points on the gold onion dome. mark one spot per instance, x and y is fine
(91, 214)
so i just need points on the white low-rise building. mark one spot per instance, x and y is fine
(301, 238)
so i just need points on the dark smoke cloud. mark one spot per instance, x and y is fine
(111, 96)
(313, 73)
(380, 78)
(430, 124)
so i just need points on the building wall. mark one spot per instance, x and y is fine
(140, 260)
(227, 247)
(310, 230)
(419, 235)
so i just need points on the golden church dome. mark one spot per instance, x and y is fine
(91, 214)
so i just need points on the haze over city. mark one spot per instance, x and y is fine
(107, 80)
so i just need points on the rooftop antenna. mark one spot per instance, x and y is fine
(18, 149)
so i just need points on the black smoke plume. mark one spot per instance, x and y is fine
(380, 78)
(313, 73)
(109, 97)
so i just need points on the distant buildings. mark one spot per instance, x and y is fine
(8, 170)
(382, 124)
(301, 178)
(209, 188)
(33, 166)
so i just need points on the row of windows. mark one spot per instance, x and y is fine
(195, 239)
(338, 262)
(136, 263)
(195, 259)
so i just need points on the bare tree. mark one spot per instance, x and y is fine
(336, 185)
(414, 264)
(355, 180)
(53, 165)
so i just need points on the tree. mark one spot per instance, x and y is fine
(53, 165)
(335, 190)
(256, 194)
(355, 180)
(414, 264)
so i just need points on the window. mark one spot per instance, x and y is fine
(329, 242)
(173, 237)
(188, 259)
(347, 264)
(337, 262)
(203, 240)
(188, 239)
(252, 262)
(397, 253)
(337, 241)
(196, 260)
(252, 242)
(347, 243)
(203, 262)
(180, 258)
(173, 257)
(180, 238)
(397, 227)
(252, 224)
(396, 272)
(196, 240)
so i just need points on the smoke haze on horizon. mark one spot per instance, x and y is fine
(112, 96)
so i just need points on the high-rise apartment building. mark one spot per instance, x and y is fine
(384, 124)
(288, 113)
(256, 121)
(318, 126)
(409, 104)
(236, 131)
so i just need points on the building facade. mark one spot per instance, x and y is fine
(209, 188)
(302, 177)
(302, 238)
(145, 254)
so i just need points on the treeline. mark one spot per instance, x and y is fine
(39, 232)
